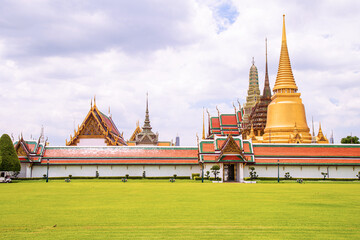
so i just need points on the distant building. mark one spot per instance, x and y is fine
(177, 141)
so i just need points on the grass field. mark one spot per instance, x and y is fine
(158, 209)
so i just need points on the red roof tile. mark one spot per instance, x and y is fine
(215, 122)
(306, 150)
(120, 152)
(307, 161)
(228, 119)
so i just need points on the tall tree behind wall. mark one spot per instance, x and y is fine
(8, 157)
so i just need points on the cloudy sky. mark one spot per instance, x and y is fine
(56, 55)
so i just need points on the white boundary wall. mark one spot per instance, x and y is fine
(114, 170)
(305, 171)
(297, 171)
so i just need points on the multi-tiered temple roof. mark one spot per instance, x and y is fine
(225, 124)
(97, 129)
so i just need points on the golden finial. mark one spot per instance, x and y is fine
(94, 100)
(283, 31)
(91, 103)
(203, 133)
(320, 130)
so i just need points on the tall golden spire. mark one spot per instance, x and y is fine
(286, 106)
(285, 78)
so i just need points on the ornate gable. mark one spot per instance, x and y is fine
(92, 127)
(136, 132)
(230, 151)
(20, 151)
(97, 125)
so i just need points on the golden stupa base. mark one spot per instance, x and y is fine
(287, 135)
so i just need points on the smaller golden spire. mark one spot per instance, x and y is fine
(252, 134)
(203, 132)
(94, 100)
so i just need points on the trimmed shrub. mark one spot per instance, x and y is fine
(252, 173)
(9, 158)
(287, 175)
(210, 178)
(215, 169)
(193, 175)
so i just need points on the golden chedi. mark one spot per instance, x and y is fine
(286, 120)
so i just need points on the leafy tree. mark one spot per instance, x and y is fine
(207, 174)
(358, 175)
(350, 140)
(9, 158)
(324, 174)
(252, 173)
(215, 169)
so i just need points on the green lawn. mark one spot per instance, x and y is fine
(158, 209)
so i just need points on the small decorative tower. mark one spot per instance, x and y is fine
(146, 137)
(320, 138)
(253, 93)
(286, 119)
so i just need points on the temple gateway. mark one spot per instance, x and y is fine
(269, 133)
